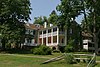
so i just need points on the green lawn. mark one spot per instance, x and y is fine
(19, 61)
(35, 61)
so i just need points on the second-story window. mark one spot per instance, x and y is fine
(33, 32)
(54, 29)
(44, 32)
(49, 31)
(40, 32)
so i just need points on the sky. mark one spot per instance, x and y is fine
(44, 8)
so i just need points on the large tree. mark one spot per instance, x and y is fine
(13, 13)
(53, 17)
(69, 10)
(92, 24)
(40, 20)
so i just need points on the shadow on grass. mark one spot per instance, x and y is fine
(16, 51)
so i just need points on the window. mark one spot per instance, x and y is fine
(54, 39)
(33, 32)
(44, 32)
(49, 39)
(49, 31)
(62, 41)
(54, 29)
(29, 40)
(40, 32)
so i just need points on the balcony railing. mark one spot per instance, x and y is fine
(48, 34)
(86, 41)
(61, 32)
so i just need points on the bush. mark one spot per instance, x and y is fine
(62, 49)
(68, 49)
(42, 50)
(70, 46)
(69, 58)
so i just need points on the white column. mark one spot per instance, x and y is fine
(57, 35)
(38, 37)
(42, 37)
(46, 37)
(52, 36)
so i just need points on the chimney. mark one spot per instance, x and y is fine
(51, 25)
(45, 24)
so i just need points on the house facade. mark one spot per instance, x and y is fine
(55, 37)
(52, 37)
(31, 31)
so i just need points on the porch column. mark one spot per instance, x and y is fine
(42, 37)
(52, 37)
(46, 37)
(57, 36)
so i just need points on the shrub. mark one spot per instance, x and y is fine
(69, 47)
(61, 48)
(56, 51)
(42, 50)
(69, 58)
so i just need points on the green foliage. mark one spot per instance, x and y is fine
(40, 20)
(53, 17)
(42, 50)
(69, 9)
(13, 13)
(69, 47)
(69, 58)
(62, 49)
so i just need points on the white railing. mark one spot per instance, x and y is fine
(86, 41)
(49, 34)
(52, 44)
(61, 32)
(54, 33)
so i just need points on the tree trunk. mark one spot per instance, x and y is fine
(95, 37)
(66, 41)
(3, 44)
(96, 43)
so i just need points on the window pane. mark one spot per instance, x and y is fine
(49, 31)
(54, 29)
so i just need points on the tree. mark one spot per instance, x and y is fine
(53, 17)
(40, 20)
(92, 25)
(13, 13)
(69, 10)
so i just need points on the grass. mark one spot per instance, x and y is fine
(19, 61)
(36, 60)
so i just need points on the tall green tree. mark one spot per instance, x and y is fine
(69, 10)
(13, 13)
(53, 17)
(40, 20)
(93, 20)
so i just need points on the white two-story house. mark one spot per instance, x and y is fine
(51, 36)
